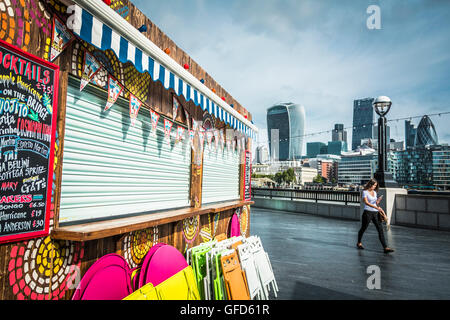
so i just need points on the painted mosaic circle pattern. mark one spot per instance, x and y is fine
(137, 244)
(191, 227)
(43, 269)
(243, 219)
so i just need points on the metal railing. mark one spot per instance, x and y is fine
(315, 195)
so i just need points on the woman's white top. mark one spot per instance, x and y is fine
(371, 199)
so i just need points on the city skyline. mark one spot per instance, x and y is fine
(320, 55)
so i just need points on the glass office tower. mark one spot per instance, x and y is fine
(426, 133)
(363, 114)
(289, 120)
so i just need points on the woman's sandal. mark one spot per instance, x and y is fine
(388, 250)
(359, 246)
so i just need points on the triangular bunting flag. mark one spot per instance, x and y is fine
(114, 91)
(209, 135)
(180, 133)
(201, 136)
(154, 118)
(167, 127)
(61, 38)
(222, 139)
(187, 119)
(90, 69)
(191, 138)
(135, 105)
(175, 107)
(216, 138)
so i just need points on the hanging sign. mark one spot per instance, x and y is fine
(90, 69)
(167, 127)
(28, 112)
(135, 105)
(61, 38)
(154, 117)
(114, 91)
(248, 176)
(175, 107)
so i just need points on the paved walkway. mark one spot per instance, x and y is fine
(315, 258)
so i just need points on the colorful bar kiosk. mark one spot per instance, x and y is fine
(113, 140)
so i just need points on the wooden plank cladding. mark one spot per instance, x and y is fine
(108, 228)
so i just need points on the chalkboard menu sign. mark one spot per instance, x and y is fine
(248, 176)
(28, 100)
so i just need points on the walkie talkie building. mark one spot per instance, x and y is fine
(289, 120)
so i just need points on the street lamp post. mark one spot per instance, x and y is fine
(382, 106)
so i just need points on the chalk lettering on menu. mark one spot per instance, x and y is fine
(27, 128)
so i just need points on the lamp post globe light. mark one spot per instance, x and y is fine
(382, 106)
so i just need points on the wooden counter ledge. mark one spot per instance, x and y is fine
(109, 228)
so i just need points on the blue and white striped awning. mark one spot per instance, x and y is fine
(90, 29)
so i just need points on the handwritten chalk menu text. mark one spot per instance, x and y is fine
(28, 100)
(248, 176)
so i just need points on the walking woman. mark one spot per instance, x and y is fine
(372, 212)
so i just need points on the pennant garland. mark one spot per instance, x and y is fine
(61, 38)
(115, 88)
(135, 105)
(167, 127)
(90, 69)
(175, 107)
(154, 117)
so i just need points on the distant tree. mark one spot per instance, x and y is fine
(318, 179)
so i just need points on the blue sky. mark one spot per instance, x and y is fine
(320, 54)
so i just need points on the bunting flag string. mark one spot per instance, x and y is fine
(114, 91)
(167, 127)
(135, 105)
(90, 69)
(61, 38)
(154, 117)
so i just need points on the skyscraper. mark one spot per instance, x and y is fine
(410, 134)
(426, 133)
(363, 114)
(339, 134)
(289, 120)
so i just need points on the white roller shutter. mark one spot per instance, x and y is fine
(220, 175)
(112, 169)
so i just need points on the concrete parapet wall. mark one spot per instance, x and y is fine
(332, 210)
(423, 211)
